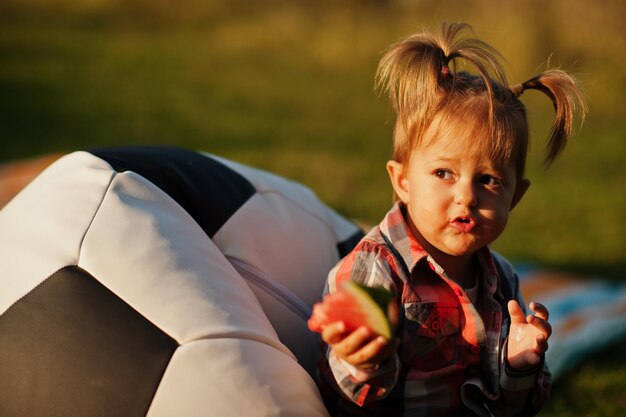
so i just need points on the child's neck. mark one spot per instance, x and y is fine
(461, 269)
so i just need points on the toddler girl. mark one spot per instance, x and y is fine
(465, 344)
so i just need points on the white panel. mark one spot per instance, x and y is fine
(286, 243)
(148, 250)
(235, 378)
(42, 227)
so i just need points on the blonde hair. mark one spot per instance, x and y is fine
(420, 74)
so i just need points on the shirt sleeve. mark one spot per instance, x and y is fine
(368, 264)
(363, 387)
(522, 393)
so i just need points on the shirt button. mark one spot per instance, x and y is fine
(435, 325)
(475, 349)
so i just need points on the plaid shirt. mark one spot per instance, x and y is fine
(451, 358)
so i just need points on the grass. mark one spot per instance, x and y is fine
(288, 86)
(595, 389)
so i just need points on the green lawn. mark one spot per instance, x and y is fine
(288, 86)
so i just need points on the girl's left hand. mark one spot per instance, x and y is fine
(528, 335)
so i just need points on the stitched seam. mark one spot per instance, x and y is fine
(33, 289)
(273, 288)
(95, 213)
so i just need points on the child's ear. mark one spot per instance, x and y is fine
(399, 180)
(520, 189)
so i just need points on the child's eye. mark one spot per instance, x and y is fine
(490, 180)
(443, 174)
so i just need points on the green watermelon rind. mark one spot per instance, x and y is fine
(373, 303)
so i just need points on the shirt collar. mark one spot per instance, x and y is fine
(395, 227)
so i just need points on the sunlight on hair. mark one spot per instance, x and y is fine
(461, 79)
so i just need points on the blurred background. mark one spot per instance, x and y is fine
(288, 86)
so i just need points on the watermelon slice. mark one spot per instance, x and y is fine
(357, 305)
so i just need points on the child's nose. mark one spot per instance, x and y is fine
(465, 194)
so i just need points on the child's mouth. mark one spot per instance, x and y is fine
(464, 224)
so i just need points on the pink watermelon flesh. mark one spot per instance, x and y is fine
(355, 305)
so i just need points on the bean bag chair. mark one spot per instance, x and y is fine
(162, 282)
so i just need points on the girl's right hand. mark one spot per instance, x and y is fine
(361, 348)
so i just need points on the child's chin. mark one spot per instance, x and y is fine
(463, 250)
(461, 253)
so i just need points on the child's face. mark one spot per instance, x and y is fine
(458, 199)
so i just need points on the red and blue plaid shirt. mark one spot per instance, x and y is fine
(451, 358)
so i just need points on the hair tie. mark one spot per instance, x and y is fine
(444, 59)
(517, 90)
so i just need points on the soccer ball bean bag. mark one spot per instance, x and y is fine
(162, 282)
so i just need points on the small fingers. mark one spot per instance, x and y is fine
(541, 324)
(334, 332)
(540, 310)
(367, 356)
(352, 343)
(516, 312)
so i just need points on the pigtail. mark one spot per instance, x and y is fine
(417, 74)
(410, 71)
(569, 104)
(461, 79)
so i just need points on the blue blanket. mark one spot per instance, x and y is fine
(587, 314)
